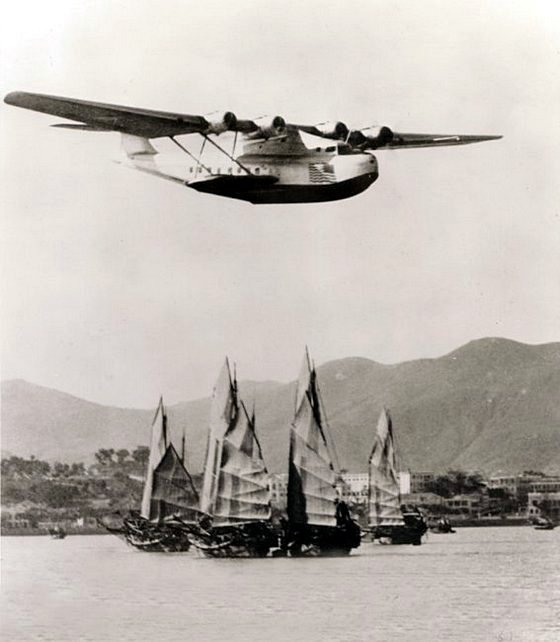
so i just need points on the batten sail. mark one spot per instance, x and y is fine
(173, 491)
(222, 412)
(158, 446)
(236, 482)
(311, 479)
(243, 490)
(384, 492)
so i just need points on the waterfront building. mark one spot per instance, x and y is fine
(415, 482)
(544, 504)
(279, 489)
(518, 487)
(470, 504)
(353, 487)
(423, 500)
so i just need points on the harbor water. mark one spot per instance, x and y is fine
(477, 584)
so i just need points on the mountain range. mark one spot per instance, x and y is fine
(491, 405)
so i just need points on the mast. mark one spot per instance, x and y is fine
(158, 447)
(384, 492)
(311, 479)
(183, 448)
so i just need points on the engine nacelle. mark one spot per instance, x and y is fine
(370, 137)
(228, 122)
(336, 130)
(268, 127)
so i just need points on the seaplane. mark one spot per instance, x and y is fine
(270, 164)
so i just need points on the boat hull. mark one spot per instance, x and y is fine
(270, 192)
(410, 532)
(321, 541)
(150, 537)
(253, 539)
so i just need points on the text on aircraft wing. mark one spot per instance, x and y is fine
(400, 141)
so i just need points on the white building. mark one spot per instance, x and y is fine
(547, 504)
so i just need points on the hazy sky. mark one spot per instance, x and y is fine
(118, 286)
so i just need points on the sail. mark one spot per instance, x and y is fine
(173, 492)
(384, 494)
(243, 491)
(311, 479)
(304, 380)
(222, 413)
(158, 447)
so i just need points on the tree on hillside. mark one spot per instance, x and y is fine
(140, 455)
(19, 467)
(104, 456)
(122, 455)
(53, 494)
(78, 469)
(455, 482)
(61, 470)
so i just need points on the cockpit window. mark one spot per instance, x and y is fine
(344, 149)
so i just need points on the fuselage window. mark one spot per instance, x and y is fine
(257, 170)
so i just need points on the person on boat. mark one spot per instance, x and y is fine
(342, 512)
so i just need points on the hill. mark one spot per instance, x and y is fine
(491, 405)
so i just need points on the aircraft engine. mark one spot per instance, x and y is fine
(370, 137)
(336, 130)
(228, 122)
(268, 126)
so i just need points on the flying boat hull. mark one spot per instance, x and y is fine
(268, 190)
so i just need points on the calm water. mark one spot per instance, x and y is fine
(478, 584)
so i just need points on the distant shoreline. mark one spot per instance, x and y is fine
(464, 523)
(35, 532)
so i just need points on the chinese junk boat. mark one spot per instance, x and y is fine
(235, 497)
(389, 521)
(317, 523)
(169, 503)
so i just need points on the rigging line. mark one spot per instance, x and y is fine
(198, 162)
(227, 154)
(328, 432)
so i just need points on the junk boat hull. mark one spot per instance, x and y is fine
(150, 537)
(254, 539)
(321, 541)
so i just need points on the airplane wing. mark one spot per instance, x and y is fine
(94, 116)
(149, 123)
(386, 138)
(401, 141)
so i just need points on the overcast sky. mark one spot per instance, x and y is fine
(117, 286)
